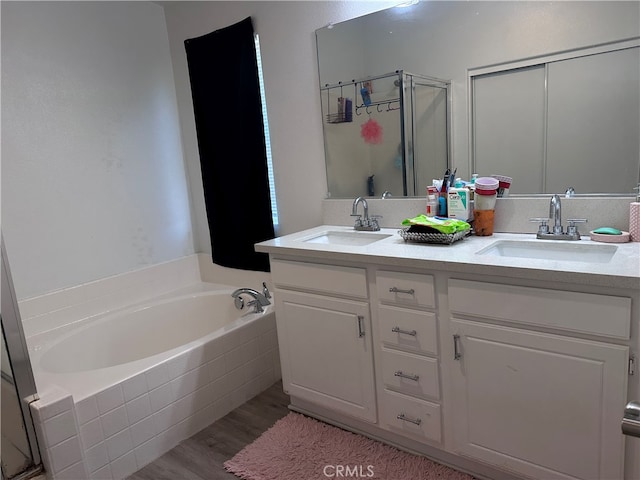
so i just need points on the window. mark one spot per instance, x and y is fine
(272, 185)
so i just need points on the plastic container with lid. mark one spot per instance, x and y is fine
(486, 192)
(487, 185)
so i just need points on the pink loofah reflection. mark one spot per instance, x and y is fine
(371, 131)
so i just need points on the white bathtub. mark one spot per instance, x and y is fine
(145, 377)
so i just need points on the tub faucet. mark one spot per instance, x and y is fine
(260, 300)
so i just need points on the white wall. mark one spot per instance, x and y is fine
(93, 174)
(288, 48)
(92, 168)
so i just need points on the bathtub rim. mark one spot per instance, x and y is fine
(84, 384)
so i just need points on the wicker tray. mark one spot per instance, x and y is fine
(442, 238)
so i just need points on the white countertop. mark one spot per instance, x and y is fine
(622, 271)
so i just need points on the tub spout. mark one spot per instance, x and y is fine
(260, 300)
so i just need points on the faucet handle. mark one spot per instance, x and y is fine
(543, 227)
(265, 290)
(571, 228)
(373, 221)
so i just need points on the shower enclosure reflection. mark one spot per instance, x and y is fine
(20, 454)
(388, 133)
(16, 455)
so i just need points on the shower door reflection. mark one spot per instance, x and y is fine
(16, 454)
(388, 133)
(19, 446)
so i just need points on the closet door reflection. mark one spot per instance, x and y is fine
(508, 127)
(593, 123)
(569, 122)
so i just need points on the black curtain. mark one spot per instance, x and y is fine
(223, 71)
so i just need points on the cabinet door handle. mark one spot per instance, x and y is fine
(408, 376)
(456, 347)
(404, 418)
(411, 291)
(360, 326)
(413, 333)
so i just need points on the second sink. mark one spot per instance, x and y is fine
(568, 252)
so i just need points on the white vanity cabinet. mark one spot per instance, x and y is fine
(324, 333)
(503, 368)
(407, 356)
(543, 405)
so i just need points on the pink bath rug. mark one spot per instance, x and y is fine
(301, 448)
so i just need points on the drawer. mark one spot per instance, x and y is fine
(343, 281)
(417, 419)
(408, 289)
(410, 374)
(603, 315)
(408, 329)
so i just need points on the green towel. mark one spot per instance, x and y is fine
(441, 224)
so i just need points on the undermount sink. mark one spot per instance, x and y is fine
(545, 250)
(346, 238)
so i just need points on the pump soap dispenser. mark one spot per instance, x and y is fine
(634, 218)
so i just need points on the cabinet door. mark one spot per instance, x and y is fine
(538, 404)
(326, 352)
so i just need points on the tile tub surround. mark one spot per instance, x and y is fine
(124, 427)
(62, 309)
(512, 213)
(66, 307)
(119, 429)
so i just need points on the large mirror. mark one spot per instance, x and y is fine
(584, 55)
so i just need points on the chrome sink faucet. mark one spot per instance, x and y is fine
(555, 215)
(260, 299)
(365, 223)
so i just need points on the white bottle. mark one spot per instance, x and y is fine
(432, 202)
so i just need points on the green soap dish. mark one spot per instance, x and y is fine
(608, 231)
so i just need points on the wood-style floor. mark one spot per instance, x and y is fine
(202, 456)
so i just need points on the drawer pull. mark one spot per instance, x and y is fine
(408, 376)
(360, 326)
(415, 421)
(413, 333)
(411, 291)
(456, 347)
